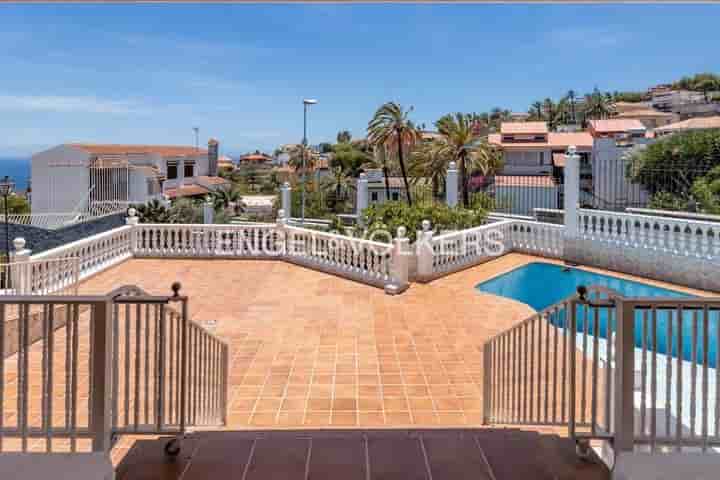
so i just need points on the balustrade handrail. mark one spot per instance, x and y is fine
(649, 218)
(470, 231)
(341, 238)
(53, 252)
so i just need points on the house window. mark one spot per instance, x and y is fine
(172, 170)
(374, 196)
(189, 170)
(542, 158)
(395, 196)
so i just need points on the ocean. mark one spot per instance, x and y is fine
(18, 169)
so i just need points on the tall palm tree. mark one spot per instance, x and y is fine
(598, 105)
(391, 126)
(430, 161)
(572, 99)
(344, 136)
(536, 111)
(467, 145)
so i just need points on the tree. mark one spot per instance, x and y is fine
(391, 126)
(223, 197)
(536, 112)
(344, 136)
(673, 163)
(463, 143)
(339, 183)
(598, 105)
(296, 158)
(16, 205)
(349, 158)
(431, 161)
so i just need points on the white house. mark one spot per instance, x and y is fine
(82, 177)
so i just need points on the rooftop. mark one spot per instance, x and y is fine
(700, 123)
(118, 149)
(616, 125)
(523, 127)
(556, 140)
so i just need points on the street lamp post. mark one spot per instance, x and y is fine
(306, 102)
(6, 188)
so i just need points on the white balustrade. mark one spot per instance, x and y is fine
(197, 240)
(93, 254)
(543, 239)
(363, 260)
(691, 238)
(458, 250)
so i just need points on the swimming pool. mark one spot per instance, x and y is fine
(541, 285)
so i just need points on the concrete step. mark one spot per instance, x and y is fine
(56, 466)
(452, 454)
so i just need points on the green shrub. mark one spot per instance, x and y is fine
(389, 216)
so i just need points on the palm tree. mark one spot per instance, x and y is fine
(223, 197)
(572, 101)
(339, 182)
(153, 212)
(462, 142)
(391, 125)
(344, 136)
(598, 106)
(430, 160)
(536, 111)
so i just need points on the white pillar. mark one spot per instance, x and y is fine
(20, 273)
(208, 211)
(572, 191)
(362, 197)
(400, 265)
(181, 172)
(132, 218)
(285, 200)
(424, 251)
(451, 185)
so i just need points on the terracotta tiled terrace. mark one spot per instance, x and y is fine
(311, 349)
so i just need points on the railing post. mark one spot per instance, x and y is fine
(424, 251)
(572, 191)
(451, 185)
(132, 220)
(487, 383)
(399, 265)
(101, 362)
(285, 201)
(623, 409)
(20, 272)
(208, 211)
(362, 198)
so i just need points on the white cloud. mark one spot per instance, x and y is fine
(68, 104)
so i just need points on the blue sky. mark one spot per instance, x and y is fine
(149, 73)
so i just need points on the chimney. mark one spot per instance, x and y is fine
(213, 157)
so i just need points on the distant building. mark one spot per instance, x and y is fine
(700, 123)
(256, 158)
(530, 149)
(684, 104)
(644, 112)
(80, 177)
(225, 163)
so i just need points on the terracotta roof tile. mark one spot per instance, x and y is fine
(115, 149)
(556, 140)
(616, 125)
(524, 181)
(186, 191)
(523, 127)
(700, 123)
(645, 112)
(213, 180)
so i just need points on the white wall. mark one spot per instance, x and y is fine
(60, 180)
(527, 162)
(610, 185)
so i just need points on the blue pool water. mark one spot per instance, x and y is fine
(541, 285)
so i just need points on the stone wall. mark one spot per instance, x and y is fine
(41, 239)
(693, 272)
